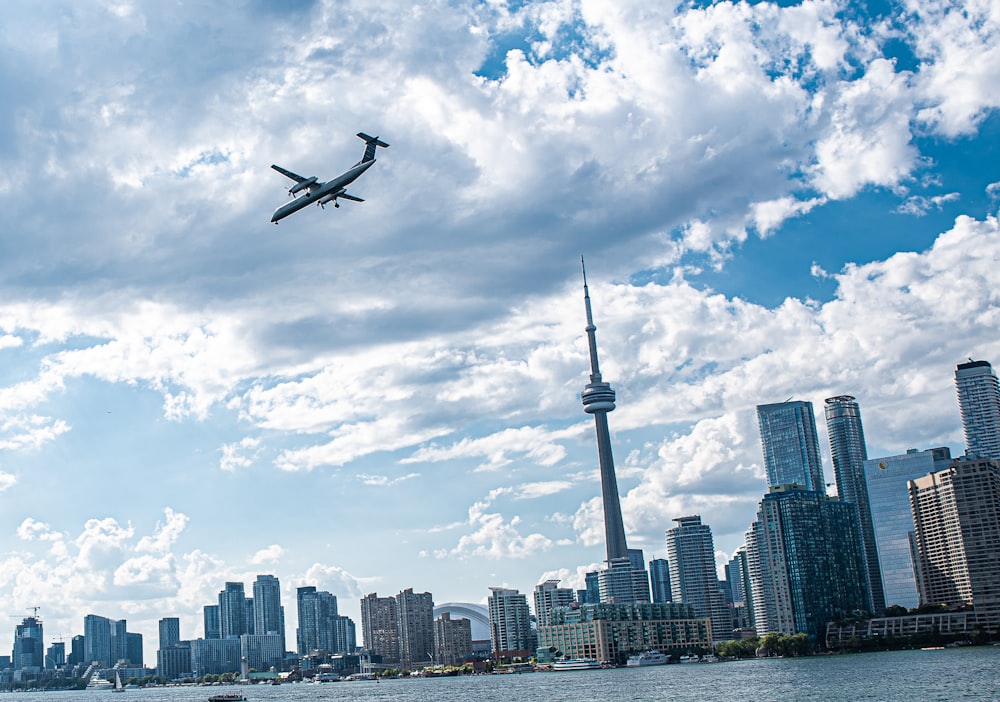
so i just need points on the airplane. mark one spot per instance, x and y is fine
(331, 190)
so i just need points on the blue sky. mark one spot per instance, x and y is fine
(774, 200)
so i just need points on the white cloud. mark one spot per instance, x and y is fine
(919, 205)
(7, 481)
(385, 480)
(493, 537)
(271, 554)
(233, 456)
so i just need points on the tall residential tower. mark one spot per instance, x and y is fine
(790, 445)
(847, 448)
(979, 402)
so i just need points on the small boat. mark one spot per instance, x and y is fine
(645, 658)
(576, 664)
(227, 697)
(118, 683)
(690, 658)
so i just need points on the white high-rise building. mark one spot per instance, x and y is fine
(693, 576)
(979, 402)
(549, 595)
(510, 621)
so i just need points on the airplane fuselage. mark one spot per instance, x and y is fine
(318, 192)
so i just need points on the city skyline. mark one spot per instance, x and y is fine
(187, 390)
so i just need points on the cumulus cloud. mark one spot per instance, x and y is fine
(493, 537)
(271, 554)
(234, 456)
(919, 205)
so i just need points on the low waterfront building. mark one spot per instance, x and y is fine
(943, 623)
(611, 632)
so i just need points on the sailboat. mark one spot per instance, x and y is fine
(118, 683)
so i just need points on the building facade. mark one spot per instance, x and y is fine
(548, 595)
(233, 611)
(612, 632)
(805, 563)
(380, 627)
(268, 614)
(215, 656)
(956, 516)
(97, 640)
(790, 445)
(174, 662)
(170, 632)
(659, 580)
(452, 640)
(29, 646)
(262, 652)
(849, 453)
(210, 616)
(416, 628)
(892, 520)
(979, 403)
(510, 622)
(693, 577)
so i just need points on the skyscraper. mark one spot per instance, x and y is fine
(659, 579)
(452, 639)
(548, 595)
(55, 656)
(847, 448)
(268, 614)
(170, 632)
(805, 563)
(598, 399)
(693, 577)
(380, 627)
(956, 516)
(510, 621)
(119, 641)
(233, 611)
(416, 628)
(133, 649)
(97, 640)
(790, 445)
(892, 519)
(979, 402)
(29, 646)
(213, 629)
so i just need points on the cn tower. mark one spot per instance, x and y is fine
(598, 399)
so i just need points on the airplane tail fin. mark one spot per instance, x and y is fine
(371, 143)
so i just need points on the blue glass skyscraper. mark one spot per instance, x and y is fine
(847, 448)
(790, 445)
(805, 566)
(892, 518)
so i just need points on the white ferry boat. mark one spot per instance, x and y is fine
(647, 658)
(576, 664)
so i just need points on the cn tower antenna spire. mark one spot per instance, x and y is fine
(595, 366)
(598, 399)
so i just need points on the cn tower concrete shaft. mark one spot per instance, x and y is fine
(598, 399)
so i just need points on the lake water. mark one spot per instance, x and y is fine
(896, 676)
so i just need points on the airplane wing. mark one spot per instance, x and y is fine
(346, 196)
(288, 174)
